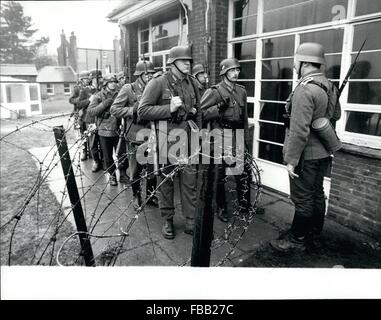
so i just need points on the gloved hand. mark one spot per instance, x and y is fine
(176, 103)
(192, 114)
(108, 102)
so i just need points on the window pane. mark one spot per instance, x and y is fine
(144, 47)
(331, 40)
(165, 43)
(364, 92)
(364, 122)
(144, 35)
(287, 14)
(272, 111)
(270, 152)
(247, 70)
(368, 66)
(33, 92)
(144, 24)
(367, 6)
(278, 47)
(158, 61)
(333, 66)
(244, 50)
(369, 31)
(277, 69)
(244, 8)
(15, 93)
(271, 132)
(250, 110)
(245, 26)
(249, 86)
(276, 90)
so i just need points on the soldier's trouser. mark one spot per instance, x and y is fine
(233, 192)
(82, 129)
(188, 188)
(95, 147)
(108, 144)
(307, 194)
(135, 173)
(122, 156)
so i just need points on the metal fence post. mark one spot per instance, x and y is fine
(59, 134)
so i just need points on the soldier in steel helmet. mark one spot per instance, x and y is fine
(305, 156)
(80, 107)
(224, 106)
(126, 106)
(199, 72)
(88, 92)
(107, 125)
(121, 79)
(174, 98)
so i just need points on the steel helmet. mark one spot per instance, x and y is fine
(120, 75)
(93, 73)
(109, 78)
(310, 52)
(198, 68)
(179, 52)
(228, 64)
(144, 66)
(84, 75)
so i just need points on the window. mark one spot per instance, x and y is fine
(364, 91)
(367, 6)
(158, 35)
(15, 93)
(245, 17)
(286, 14)
(50, 89)
(67, 89)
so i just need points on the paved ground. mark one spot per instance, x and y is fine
(145, 246)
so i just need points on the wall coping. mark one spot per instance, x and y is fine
(361, 151)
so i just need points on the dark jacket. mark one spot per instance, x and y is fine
(309, 102)
(126, 104)
(226, 107)
(99, 107)
(155, 102)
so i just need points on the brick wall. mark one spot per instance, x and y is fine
(355, 195)
(196, 31)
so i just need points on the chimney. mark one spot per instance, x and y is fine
(73, 52)
(62, 51)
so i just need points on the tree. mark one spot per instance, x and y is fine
(16, 35)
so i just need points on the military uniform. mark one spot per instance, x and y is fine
(224, 107)
(154, 106)
(107, 126)
(303, 149)
(125, 106)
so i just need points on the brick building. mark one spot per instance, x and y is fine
(263, 35)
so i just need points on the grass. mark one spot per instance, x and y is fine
(19, 174)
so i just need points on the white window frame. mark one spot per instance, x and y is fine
(347, 24)
(152, 53)
(51, 93)
(69, 87)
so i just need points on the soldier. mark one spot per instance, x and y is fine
(126, 106)
(107, 125)
(224, 106)
(201, 76)
(95, 150)
(121, 79)
(174, 98)
(80, 107)
(305, 156)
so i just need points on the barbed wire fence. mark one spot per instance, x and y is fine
(111, 220)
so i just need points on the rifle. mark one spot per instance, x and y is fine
(155, 153)
(350, 70)
(96, 73)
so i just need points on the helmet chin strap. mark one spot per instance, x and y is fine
(226, 76)
(184, 74)
(142, 78)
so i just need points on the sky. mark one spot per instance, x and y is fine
(86, 18)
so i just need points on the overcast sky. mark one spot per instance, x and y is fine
(86, 18)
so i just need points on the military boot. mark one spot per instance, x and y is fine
(168, 229)
(112, 180)
(96, 166)
(136, 201)
(123, 177)
(84, 154)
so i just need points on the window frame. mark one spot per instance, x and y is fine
(347, 24)
(51, 89)
(69, 87)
